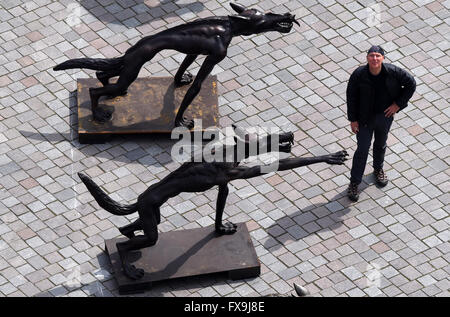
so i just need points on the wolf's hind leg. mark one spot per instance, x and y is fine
(105, 76)
(149, 221)
(127, 76)
(124, 248)
(128, 230)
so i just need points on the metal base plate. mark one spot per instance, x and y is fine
(149, 106)
(187, 253)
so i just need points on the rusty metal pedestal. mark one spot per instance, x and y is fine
(149, 106)
(187, 253)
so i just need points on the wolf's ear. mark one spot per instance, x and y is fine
(237, 7)
(239, 18)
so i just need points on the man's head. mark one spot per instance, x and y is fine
(375, 58)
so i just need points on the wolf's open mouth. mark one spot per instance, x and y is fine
(282, 144)
(285, 24)
(285, 147)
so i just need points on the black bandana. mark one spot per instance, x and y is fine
(376, 49)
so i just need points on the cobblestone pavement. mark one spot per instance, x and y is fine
(393, 242)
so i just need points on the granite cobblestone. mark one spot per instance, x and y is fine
(302, 225)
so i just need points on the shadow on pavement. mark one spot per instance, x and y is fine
(148, 149)
(133, 13)
(312, 219)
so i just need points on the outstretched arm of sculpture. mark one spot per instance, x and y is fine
(242, 172)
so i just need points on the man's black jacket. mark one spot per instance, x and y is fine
(360, 91)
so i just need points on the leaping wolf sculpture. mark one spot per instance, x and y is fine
(193, 176)
(208, 36)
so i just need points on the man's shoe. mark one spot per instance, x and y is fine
(352, 192)
(380, 177)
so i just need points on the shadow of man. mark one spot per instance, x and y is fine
(320, 219)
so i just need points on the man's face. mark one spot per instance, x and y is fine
(375, 60)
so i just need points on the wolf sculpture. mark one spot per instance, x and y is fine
(208, 36)
(193, 176)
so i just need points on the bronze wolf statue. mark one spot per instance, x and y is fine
(208, 36)
(191, 177)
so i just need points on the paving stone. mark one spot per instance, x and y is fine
(352, 273)
(296, 81)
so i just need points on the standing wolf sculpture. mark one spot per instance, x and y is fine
(192, 177)
(209, 36)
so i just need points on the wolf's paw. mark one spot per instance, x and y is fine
(185, 79)
(102, 115)
(132, 272)
(189, 124)
(337, 158)
(228, 228)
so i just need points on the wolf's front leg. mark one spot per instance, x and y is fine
(182, 77)
(185, 79)
(337, 158)
(193, 91)
(228, 228)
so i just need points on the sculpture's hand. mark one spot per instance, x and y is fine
(337, 158)
(185, 79)
(184, 123)
(228, 228)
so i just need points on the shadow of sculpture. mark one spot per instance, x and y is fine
(156, 143)
(133, 13)
(204, 36)
(173, 266)
(162, 122)
(78, 282)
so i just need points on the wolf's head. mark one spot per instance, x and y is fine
(247, 144)
(252, 21)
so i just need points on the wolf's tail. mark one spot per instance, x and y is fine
(91, 63)
(105, 201)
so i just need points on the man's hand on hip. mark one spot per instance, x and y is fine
(355, 126)
(391, 110)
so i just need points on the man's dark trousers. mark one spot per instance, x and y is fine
(379, 127)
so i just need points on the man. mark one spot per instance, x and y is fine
(375, 92)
